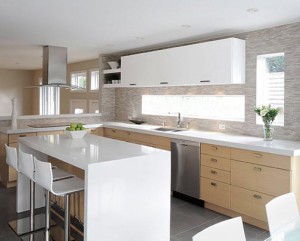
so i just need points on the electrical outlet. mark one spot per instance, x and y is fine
(222, 127)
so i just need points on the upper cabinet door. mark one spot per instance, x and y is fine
(215, 62)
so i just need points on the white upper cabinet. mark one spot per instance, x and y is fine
(209, 63)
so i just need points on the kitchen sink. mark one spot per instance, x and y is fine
(170, 129)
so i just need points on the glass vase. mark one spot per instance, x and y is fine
(268, 132)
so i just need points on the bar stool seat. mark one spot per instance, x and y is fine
(64, 187)
(67, 186)
(59, 174)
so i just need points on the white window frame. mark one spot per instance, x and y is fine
(90, 80)
(261, 86)
(49, 100)
(86, 76)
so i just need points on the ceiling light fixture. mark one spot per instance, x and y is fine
(252, 10)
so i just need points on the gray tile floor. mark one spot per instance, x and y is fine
(186, 219)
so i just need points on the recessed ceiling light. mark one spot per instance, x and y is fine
(252, 10)
(140, 38)
(186, 26)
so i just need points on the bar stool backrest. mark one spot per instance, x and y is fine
(281, 210)
(231, 229)
(43, 174)
(26, 165)
(12, 157)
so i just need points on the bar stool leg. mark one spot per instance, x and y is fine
(32, 204)
(47, 216)
(67, 217)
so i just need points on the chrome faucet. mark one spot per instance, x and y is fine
(178, 118)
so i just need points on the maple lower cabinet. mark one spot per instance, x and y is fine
(215, 175)
(240, 182)
(138, 138)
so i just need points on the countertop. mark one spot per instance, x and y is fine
(8, 130)
(280, 147)
(88, 150)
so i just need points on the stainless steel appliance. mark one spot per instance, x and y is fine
(185, 167)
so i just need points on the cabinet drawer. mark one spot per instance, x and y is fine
(264, 179)
(116, 134)
(14, 137)
(94, 131)
(262, 158)
(215, 150)
(249, 202)
(215, 192)
(215, 174)
(215, 162)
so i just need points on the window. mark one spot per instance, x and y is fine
(94, 80)
(78, 106)
(216, 107)
(93, 106)
(79, 79)
(49, 100)
(270, 84)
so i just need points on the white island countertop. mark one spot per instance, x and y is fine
(88, 150)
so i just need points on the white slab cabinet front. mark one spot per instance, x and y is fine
(214, 62)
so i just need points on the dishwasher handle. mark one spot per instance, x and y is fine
(185, 143)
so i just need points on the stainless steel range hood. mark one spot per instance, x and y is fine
(55, 68)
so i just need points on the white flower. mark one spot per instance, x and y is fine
(263, 112)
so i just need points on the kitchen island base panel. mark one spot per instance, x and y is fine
(130, 194)
(127, 193)
(231, 213)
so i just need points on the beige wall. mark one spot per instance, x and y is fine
(66, 95)
(12, 83)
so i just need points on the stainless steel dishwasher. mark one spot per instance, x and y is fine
(185, 167)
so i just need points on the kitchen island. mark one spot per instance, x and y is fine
(127, 186)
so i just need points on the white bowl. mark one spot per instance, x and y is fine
(113, 64)
(76, 134)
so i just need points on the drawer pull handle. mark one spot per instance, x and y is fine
(22, 135)
(114, 131)
(214, 148)
(257, 196)
(257, 169)
(204, 81)
(132, 84)
(257, 155)
(214, 160)
(164, 83)
(213, 184)
(213, 172)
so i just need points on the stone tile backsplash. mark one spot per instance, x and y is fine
(127, 101)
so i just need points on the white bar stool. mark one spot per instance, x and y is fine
(26, 167)
(20, 226)
(64, 187)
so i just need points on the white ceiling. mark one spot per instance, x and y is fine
(92, 27)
